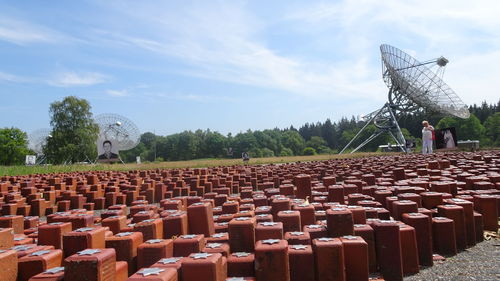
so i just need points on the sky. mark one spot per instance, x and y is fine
(233, 65)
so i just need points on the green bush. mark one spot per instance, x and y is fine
(286, 152)
(324, 150)
(266, 152)
(309, 151)
(255, 153)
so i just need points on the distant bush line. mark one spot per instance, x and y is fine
(312, 138)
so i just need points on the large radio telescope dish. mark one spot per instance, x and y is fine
(418, 84)
(118, 129)
(412, 85)
(37, 139)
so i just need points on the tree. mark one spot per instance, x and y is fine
(285, 151)
(305, 131)
(470, 129)
(492, 126)
(293, 140)
(214, 144)
(447, 122)
(484, 111)
(266, 141)
(309, 151)
(188, 145)
(323, 137)
(131, 154)
(148, 139)
(266, 152)
(244, 142)
(74, 132)
(467, 129)
(13, 146)
(406, 134)
(373, 145)
(318, 143)
(275, 143)
(167, 148)
(328, 132)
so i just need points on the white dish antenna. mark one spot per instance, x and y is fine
(38, 139)
(118, 129)
(412, 86)
(407, 77)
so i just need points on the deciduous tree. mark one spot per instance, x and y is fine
(492, 126)
(74, 131)
(13, 146)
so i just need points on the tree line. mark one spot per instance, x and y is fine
(311, 138)
(74, 133)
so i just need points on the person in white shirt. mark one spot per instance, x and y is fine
(427, 137)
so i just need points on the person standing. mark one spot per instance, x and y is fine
(245, 157)
(427, 133)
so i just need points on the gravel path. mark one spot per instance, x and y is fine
(481, 262)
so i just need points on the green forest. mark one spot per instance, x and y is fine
(311, 138)
(74, 134)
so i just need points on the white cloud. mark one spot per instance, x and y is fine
(238, 52)
(475, 77)
(227, 42)
(117, 93)
(426, 24)
(7, 77)
(199, 98)
(21, 32)
(467, 33)
(71, 79)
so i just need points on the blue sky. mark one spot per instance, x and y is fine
(232, 65)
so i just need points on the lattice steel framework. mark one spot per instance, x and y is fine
(412, 86)
(412, 82)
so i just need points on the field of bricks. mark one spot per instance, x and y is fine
(381, 217)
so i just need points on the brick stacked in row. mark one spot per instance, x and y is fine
(330, 220)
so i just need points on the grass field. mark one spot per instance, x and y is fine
(199, 163)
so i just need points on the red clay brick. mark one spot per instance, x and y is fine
(9, 265)
(329, 257)
(151, 251)
(91, 265)
(37, 262)
(204, 266)
(271, 260)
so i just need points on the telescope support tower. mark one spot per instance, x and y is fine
(385, 121)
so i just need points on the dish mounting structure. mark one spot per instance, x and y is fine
(412, 86)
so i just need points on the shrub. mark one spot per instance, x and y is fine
(309, 151)
(286, 152)
(266, 152)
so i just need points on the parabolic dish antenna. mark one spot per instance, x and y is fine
(38, 139)
(412, 85)
(118, 129)
(417, 83)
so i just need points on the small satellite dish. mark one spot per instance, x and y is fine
(118, 129)
(38, 139)
(412, 86)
